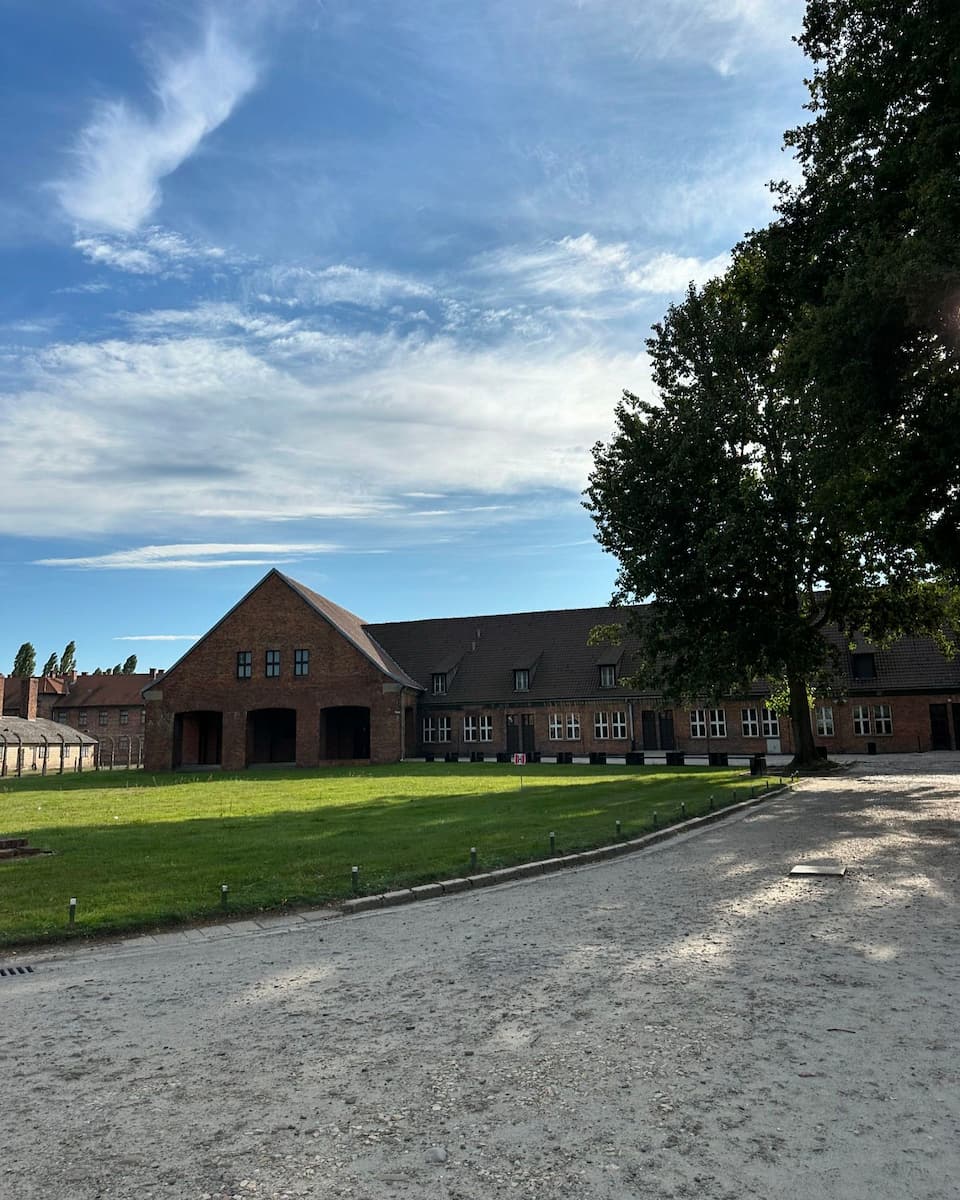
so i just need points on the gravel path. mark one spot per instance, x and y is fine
(686, 1022)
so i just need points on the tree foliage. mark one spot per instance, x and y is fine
(50, 666)
(130, 665)
(68, 659)
(25, 662)
(801, 464)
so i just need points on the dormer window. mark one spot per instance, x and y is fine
(521, 680)
(608, 675)
(439, 683)
(863, 666)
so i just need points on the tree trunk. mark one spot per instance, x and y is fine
(804, 751)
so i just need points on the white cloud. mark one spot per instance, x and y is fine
(123, 153)
(181, 430)
(195, 554)
(159, 637)
(581, 268)
(156, 251)
(337, 284)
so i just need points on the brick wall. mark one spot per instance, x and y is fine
(273, 617)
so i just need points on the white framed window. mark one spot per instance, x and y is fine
(601, 725)
(521, 680)
(272, 664)
(749, 722)
(301, 662)
(124, 717)
(882, 719)
(555, 727)
(573, 727)
(824, 720)
(61, 718)
(618, 724)
(608, 676)
(698, 723)
(436, 729)
(486, 729)
(769, 723)
(469, 729)
(718, 723)
(82, 717)
(861, 719)
(439, 683)
(103, 716)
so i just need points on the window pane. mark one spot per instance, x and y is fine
(825, 720)
(573, 726)
(486, 729)
(749, 722)
(698, 723)
(770, 723)
(469, 729)
(718, 723)
(601, 726)
(619, 724)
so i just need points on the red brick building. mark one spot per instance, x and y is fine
(289, 677)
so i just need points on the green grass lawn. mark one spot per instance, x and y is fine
(140, 851)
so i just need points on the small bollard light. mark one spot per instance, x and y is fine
(355, 879)
(619, 828)
(656, 818)
(73, 910)
(683, 810)
(553, 842)
(224, 892)
(473, 858)
(710, 802)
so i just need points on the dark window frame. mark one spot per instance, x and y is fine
(301, 663)
(244, 664)
(271, 664)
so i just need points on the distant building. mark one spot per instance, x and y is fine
(288, 676)
(108, 709)
(41, 747)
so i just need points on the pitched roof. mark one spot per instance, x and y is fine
(487, 650)
(104, 691)
(345, 622)
(354, 630)
(910, 664)
(32, 733)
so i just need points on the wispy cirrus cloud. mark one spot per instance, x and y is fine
(123, 153)
(194, 554)
(155, 251)
(159, 637)
(583, 267)
(339, 283)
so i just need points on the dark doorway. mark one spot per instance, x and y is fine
(939, 727)
(513, 736)
(197, 739)
(648, 729)
(271, 736)
(345, 732)
(666, 730)
(956, 726)
(528, 735)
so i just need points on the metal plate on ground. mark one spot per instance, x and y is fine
(824, 868)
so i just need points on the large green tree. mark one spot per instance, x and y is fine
(865, 260)
(50, 666)
(25, 662)
(801, 465)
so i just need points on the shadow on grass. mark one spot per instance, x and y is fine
(138, 871)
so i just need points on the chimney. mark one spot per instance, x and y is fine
(154, 672)
(28, 698)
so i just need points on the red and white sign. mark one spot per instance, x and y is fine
(519, 760)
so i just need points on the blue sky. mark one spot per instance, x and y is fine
(348, 287)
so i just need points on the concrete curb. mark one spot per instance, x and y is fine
(546, 866)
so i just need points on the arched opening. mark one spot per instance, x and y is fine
(271, 736)
(345, 732)
(197, 739)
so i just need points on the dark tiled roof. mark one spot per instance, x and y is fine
(487, 650)
(33, 732)
(910, 664)
(105, 691)
(480, 654)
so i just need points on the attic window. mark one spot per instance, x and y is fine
(864, 666)
(521, 680)
(608, 675)
(439, 683)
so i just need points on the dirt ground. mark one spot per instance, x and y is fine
(686, 1022)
